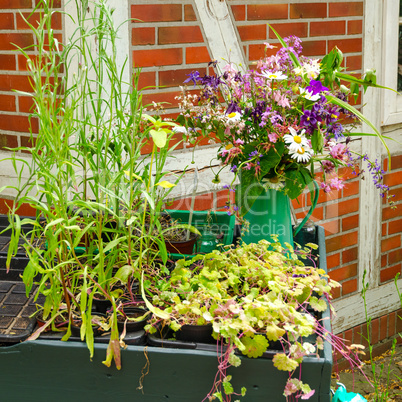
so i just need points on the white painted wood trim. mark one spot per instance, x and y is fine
(380, 301)
(370, 200)
(220, 33)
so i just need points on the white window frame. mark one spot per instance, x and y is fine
(392, 102)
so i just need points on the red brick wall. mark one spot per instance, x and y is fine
(168, 43)
(15, 108)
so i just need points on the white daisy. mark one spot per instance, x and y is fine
(301, 155)
(274, 183)
(309, 95)
(233, 117)
(277, 75)
(294, 140)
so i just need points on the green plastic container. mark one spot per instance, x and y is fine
(209, 224)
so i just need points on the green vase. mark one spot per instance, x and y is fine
(269, 214)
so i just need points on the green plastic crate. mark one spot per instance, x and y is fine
(203, 221)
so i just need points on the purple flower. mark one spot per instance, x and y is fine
(309, 119)
(316, 87)
(253, 154)
(233, 169)
(194, 76)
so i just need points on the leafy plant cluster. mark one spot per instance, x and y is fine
(253, 296)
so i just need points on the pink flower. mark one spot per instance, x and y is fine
(239, 142)
(328, 166)
(339, 151)
(336, 183)
(281, 100)
(273, 137)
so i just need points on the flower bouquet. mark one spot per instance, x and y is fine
(280, 122)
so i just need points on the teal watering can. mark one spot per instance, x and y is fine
(341, 395)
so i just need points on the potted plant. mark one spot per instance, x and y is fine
(248, 298)
(277, 124)
(86, 177)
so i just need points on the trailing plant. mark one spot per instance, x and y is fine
(253, 296)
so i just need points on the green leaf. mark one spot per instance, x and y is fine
(159, 137)
(318, 304)
(155, 310)
(284, 363)
(27, 277)
(317, 141)
(227, 386)
(254, 347)
(124, 272)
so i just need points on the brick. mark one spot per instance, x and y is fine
(267, 12)
(223, 197)
(343, 273)
(147, 80)
(143, 36)
(256, 52)
(342, 208)
(384, 260)
(399, 321)
(23, 210)
(341, 241)
(349, 287)
(396, 162)
(395, 226)
(300, 201)
(345, 9)
(331, 227)
(55, 3)
(350, 222)
(325, 197)
(396, 193)
(346, 45)
(314, 48)
(4, 4)
(199, 54)
(395, 256)
(392, 179)
(384, 229)
(189, 13)
(375, 331)
(8, 141)
(252, 32)
(390, 213)
(8, 62)
(348, 336)
(355, 27)
(351, 188)
(33, 18)
(299, 29)
(364, 336)
(318, 214)
(381, 348)
(383, 327)
(310, 10)
(327, 28)
(353, 63)
(335, 293)
(7, 21)
(7, 103)
(174, 78)
(349, 255)
(391, 324)
(388, 274)
(9, 41)
(156, 12)
(179, 34)
(239, 12)
(333, 260)
(25, 104)
(157, 57)
(169, 97)
(18, 123)
(390, 243)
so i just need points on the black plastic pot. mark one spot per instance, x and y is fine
(132, 326)
(101, 305)
(76, 326)
(195, 333)
(182, 247)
